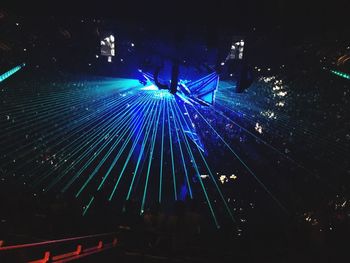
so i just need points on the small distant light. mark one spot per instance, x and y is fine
(231, 75)
(132, 44)
(24, 49)
(259, 69)
(109, 59)
(223, 179)
(282, 93)
(234, 177)
(222, 63)
(89, 64)
(258, 128)
(96, 56)
(17, 24)
(121, 60)
(268, 69)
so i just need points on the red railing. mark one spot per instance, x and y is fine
(55, 251)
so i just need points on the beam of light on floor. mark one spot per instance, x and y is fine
(118, 123)
(142, 149)
(91, 131)
(132, 128)
(83, 126)
(198, 175)
(136, 140)
(153, 141)
(171, 151)
(161, 155)
(181, 152)
(178, 112)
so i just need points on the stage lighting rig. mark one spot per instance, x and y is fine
(108, 46)
(200, 92)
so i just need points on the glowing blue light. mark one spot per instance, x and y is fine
(163, 94)
(11, 72)
(150, 87)
(157, 93)
(101, 147)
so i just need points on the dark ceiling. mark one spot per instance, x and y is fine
(219, 13)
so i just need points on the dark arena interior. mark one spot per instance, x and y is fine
(175, 131)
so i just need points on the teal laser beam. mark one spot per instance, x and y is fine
(171, 152)
(10, 72)
(140, 155)
(142, 124)
(181, 152)
(153, 141)
(161, 155)
(150, 106)
(200, 180)
(178, 112)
